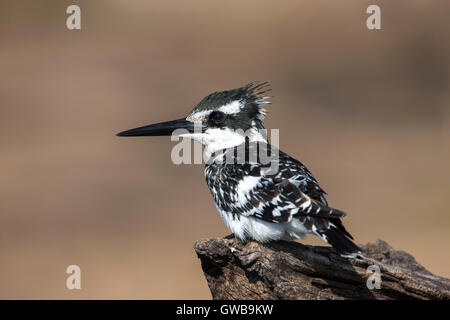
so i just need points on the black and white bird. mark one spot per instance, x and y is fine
(256, 201)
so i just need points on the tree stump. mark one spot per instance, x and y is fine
(290, 270)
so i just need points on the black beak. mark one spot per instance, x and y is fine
(160, 129)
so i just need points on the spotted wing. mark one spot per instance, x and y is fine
(244, 189)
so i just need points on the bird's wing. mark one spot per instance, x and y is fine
(292, 192)
(300, 176)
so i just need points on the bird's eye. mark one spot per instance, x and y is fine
(217, 116)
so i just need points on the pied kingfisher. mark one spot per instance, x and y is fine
(255, 203)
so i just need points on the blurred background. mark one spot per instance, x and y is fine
(367, 111)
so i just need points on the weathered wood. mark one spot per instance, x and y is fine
(290, 270)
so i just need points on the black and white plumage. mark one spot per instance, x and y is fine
(264, 207)
(255, 201)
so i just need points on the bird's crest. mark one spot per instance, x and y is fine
(250, 97)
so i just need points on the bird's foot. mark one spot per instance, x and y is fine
(244, 242)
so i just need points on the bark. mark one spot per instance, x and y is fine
(290, 270)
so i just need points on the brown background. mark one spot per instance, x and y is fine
(367, 111)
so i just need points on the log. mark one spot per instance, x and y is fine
(290, 270)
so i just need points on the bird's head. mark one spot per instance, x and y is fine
(220, 120)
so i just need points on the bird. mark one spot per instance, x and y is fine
(262, 201)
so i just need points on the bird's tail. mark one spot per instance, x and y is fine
(340, 241)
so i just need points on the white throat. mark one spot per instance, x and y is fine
(215, 139)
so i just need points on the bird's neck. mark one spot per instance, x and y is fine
(230, 139)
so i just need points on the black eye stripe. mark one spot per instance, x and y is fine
(217, 116)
